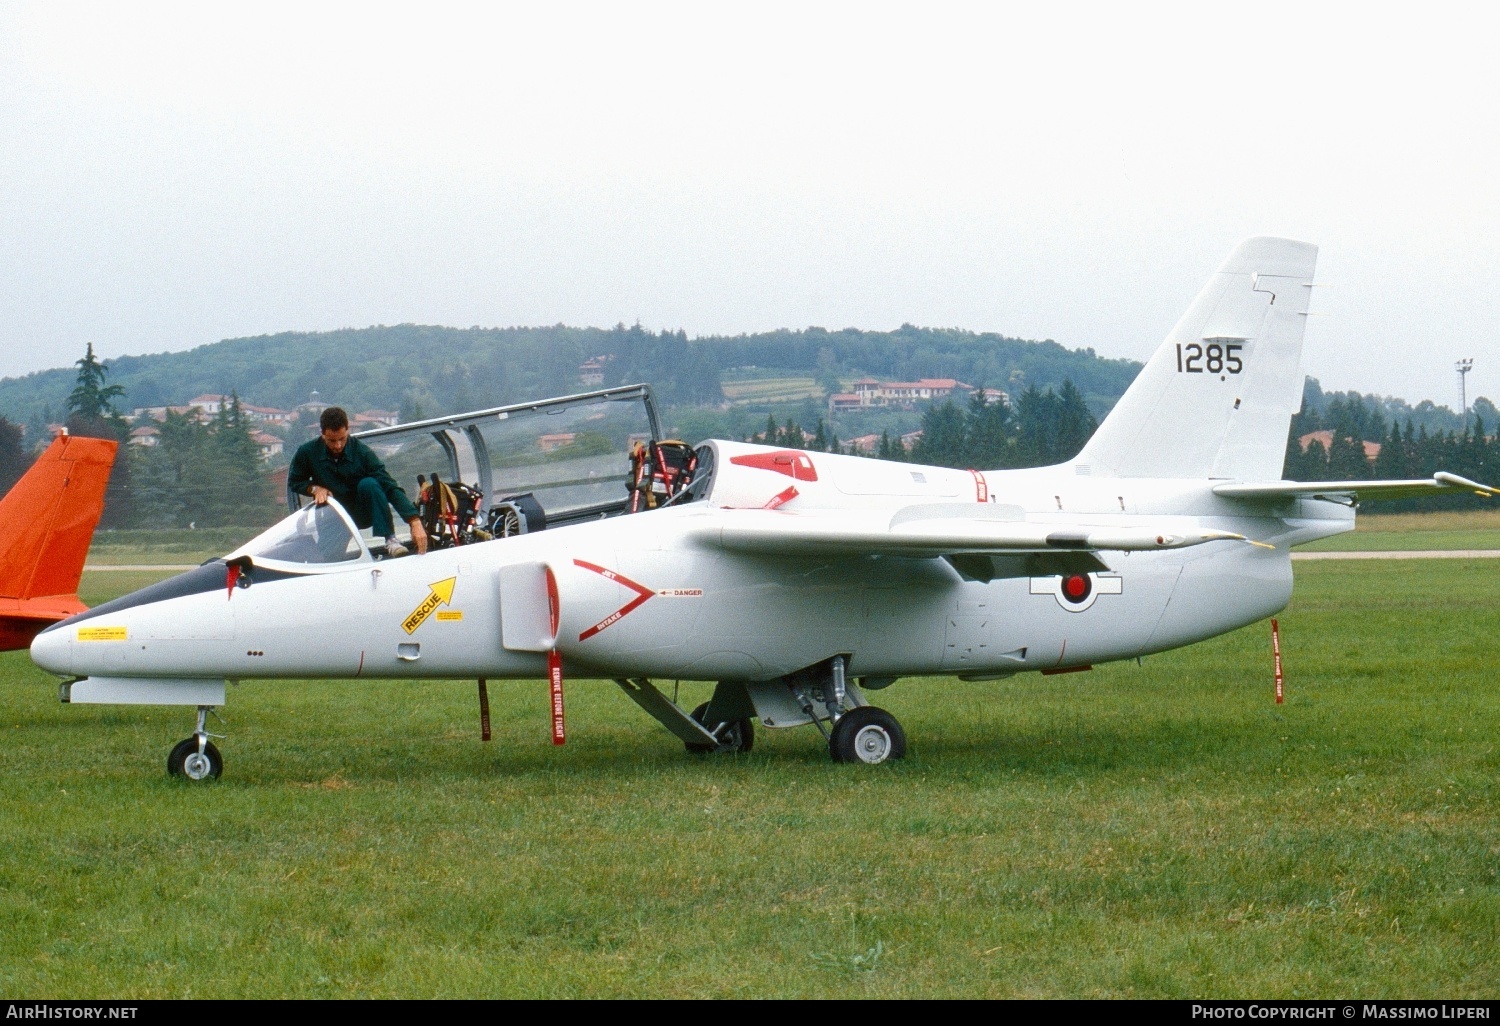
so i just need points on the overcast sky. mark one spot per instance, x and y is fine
(173, 175)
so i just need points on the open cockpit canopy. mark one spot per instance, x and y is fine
(570, 454)
(314, 539)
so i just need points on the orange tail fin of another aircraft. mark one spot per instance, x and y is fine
(46, 523)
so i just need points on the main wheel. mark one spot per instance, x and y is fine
(735, 736)
(868, 735)
(186, 762)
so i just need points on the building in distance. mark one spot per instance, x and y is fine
(1325, 438)
(591, 372)
(270, 446)
(366, 420)
(870, 392)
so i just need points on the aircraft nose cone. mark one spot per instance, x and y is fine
(52, 650)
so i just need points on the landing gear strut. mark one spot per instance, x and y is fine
(822, 695)
(196, 758)
(734, 736)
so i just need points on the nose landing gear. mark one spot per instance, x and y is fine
(196, 758)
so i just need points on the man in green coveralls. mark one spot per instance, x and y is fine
(348, 470)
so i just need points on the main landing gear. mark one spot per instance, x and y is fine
(868, 735)
(196, 758)
(855, 730)
(861, 732)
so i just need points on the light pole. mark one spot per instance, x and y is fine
(1463, 367)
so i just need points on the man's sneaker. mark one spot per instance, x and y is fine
(394, 549)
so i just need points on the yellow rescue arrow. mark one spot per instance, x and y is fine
(438, 594)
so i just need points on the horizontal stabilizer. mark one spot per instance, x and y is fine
(1360, 491)
(777, 532)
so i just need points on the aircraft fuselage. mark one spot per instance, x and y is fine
(655, 594)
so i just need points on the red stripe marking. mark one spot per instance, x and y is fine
(781, 498)
(981, 487)
(554, 606)
(642, 594)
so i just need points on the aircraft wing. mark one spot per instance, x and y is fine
(939, 530)
(1359, 491)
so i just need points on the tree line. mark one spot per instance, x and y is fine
(210, 474)
(1041, 428)
(198, 475)
(1404, 453)
(1412, 442)
(1367, 416)
(428, 370)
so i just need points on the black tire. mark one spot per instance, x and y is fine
(738, 736)
(867, 735)
(179, 766)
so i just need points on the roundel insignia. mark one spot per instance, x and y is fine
(1076, 588)
(1077, 592)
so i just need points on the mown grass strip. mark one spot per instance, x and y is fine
(1394, 532)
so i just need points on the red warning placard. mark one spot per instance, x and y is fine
(554, 678)
(1276, 656)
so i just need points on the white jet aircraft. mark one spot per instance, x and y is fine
(798, 581)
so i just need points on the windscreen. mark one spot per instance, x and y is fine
(311, 536)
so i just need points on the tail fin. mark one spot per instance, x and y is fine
(1216, 400)
(47, 520)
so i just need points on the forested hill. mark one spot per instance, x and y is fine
(425, 371)
(433, 370)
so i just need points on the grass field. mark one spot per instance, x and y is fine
(1155, 830)
(772, 390)
(1391, 532)
(116, 548)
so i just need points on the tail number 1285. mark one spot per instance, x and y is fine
(1215, 358)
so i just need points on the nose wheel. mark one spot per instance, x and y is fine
(196, 758)
(187, 761)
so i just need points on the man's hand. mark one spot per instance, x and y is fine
(320, 495)
(418, 535)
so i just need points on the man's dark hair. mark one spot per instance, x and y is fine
(333, 419)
